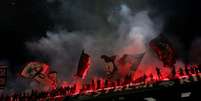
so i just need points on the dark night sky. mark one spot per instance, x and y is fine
(28, 20)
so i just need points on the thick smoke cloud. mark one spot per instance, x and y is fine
(113, 28)
(134, 29)
(105, 27)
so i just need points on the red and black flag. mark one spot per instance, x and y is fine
(39, 72)
(129, 63)
(83, 65)
(136, 61)
(111, 67)
(34, 69)
(164, 50)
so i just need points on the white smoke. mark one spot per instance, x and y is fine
(62, 48)
(136, 31)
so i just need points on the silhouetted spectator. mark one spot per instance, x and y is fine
(192, 69)
(144, 78)
(173, 72)
(181, 71)
(199, 67)
(186, 70)
(151, 77)
(196, 69)
(128, 79)
(158, 72)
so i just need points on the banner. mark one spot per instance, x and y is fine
(110, 68)
(164, 50)
(129, 63)
(83, 65)
(40, 72)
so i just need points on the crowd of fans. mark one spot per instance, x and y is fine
(53, 95)
(59, 93)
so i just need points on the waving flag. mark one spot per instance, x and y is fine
(110, 67)
(39, 72)
(128, 63)
(164, 50)
(83, 65)
(32, 69)
(136, 61)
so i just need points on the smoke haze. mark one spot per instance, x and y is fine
(55, 32)
(129, 33)
(110, 27)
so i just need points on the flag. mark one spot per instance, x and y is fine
(32, 69)
(40, 73)
(53, 77)
(83, 65)
(111, 68)
(164, 50)
(136, 61)
(128, 63)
